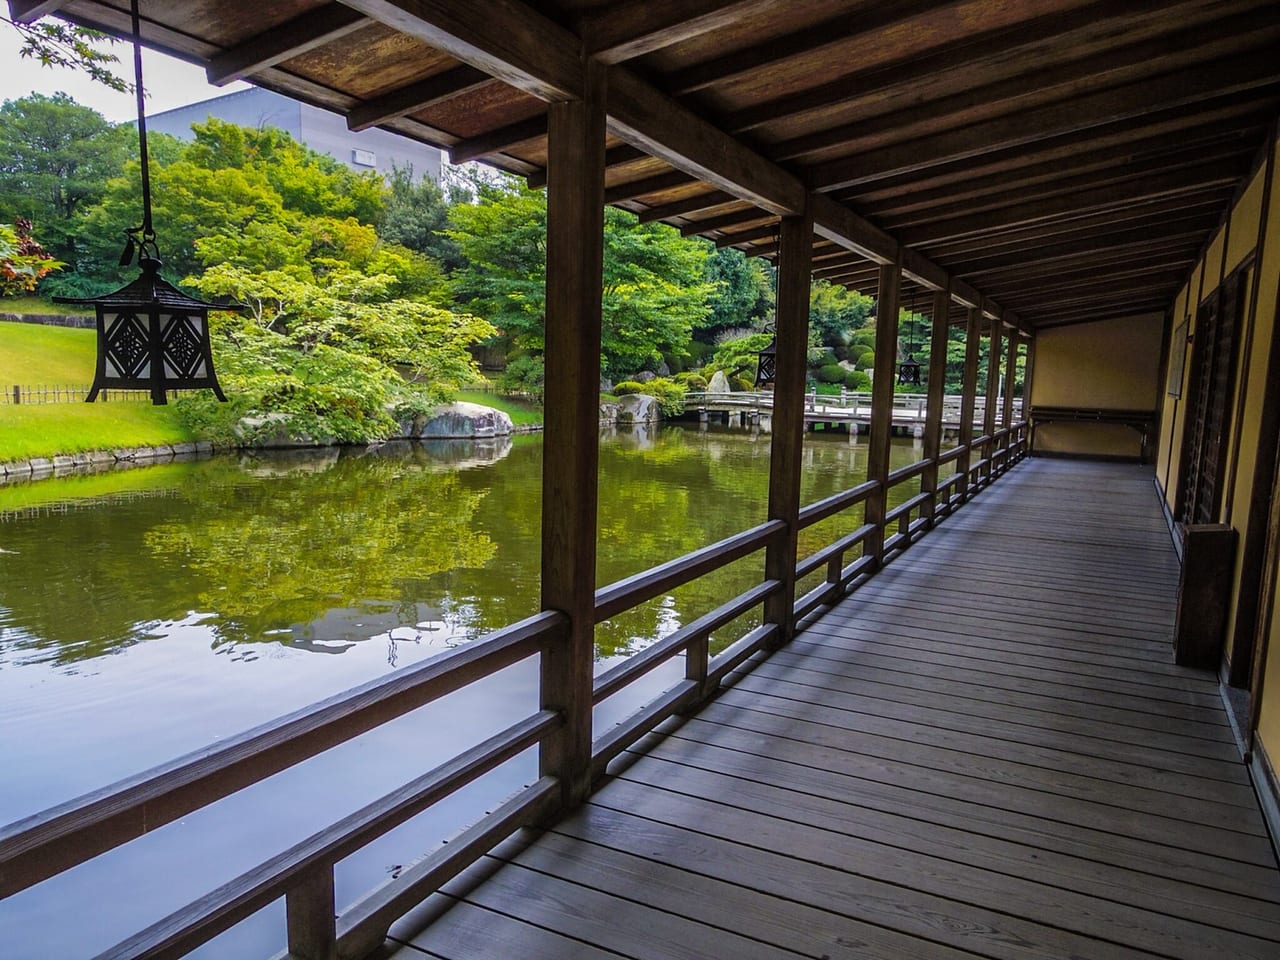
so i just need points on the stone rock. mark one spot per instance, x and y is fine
(606, 385)
(638, 408)
(644, 376)
(269, 430)
(608, 412)
(465, 421)
(719, 383)
(664, 370)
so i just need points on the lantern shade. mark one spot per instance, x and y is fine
(909, 370)
(152, 336)
(766, 364)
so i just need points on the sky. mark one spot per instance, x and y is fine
(170, 83)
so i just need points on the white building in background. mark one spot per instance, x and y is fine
(318, 129)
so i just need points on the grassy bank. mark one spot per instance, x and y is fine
(36, 305)
(521, 413)
(51, 429)
(34, 355)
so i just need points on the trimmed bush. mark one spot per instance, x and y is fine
(857, 380)
(831, 373)
(628, 386)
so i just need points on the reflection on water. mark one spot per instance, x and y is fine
(149, 613)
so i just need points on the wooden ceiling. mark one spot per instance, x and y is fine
(1058, 161)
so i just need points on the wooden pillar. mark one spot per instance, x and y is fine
(1010, 372)
(969, 395)
(879, 443)
(795, 260)
(575, 250)
(993, 395)
(1028, 371)
(933, 407)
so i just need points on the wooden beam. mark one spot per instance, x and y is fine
(613, 157)
(880, 439)
(499, 140)
(416, 96)
(735, 219)
(1127, 194)
(679, 208)
(639, 188)
(1129, 241)
(964, 294)
(293, 38)
(1178, 89)
(745, 236)
(506, 39)
(836, 222)
(665, 129)
(787, 443)
(575, 253)
(29, 11)
(624, 31)
(923, 271)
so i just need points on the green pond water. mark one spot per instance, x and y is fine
(150, 612)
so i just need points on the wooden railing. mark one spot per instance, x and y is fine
(41, 846)
(906, 406)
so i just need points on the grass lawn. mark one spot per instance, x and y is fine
(520, 412)
(31, 304)
(50, 429)
(35, 355)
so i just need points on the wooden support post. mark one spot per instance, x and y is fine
(880, 441)
(786, 447)
(575, 251)
(993, 398)
(1028, 370)
(311, 916)
(1006, 415)
(933, 407)
(968, 397)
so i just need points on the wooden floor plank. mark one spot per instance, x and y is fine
(984, 752)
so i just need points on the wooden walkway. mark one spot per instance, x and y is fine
(984, 752)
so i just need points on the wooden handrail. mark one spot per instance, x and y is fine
(203, 919)
(830, 506)
(47, 843)
(909, 472)
(625, 594)
(955, 453)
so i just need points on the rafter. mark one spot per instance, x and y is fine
(416, 96)
(499, 140)
(624, 31)
(1234, 76)
(29, 11)
(293, 38)
(613, 157)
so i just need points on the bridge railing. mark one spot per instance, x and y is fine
(906, 406)
(48, 843)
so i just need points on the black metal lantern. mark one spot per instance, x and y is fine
(151, 335)
(909, 369)
(766, 364)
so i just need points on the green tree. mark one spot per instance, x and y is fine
(654, 287)
(56, 157)
(744, 294)
(836, 314)
(416, 215)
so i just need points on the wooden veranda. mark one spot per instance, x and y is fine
(938, 766)
(985, 751)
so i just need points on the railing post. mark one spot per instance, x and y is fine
(968, 397)
(939, 328)
(879, 443)
(795, 259)
(575, 250)
(312, 916)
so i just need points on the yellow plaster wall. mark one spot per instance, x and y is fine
(1172, 406)
(1269, 718)
(1110, 364)
(1213, 265)
(1244, 222)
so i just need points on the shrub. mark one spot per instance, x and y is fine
(857, 380)
(628, 386)
(831, 373)
(691, 380)
(866, 360)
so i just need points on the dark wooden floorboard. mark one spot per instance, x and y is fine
(985, 751)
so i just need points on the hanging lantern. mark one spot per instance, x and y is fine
(151, 335)
(766, 364)
(909, 369)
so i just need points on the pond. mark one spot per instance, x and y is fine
(150, 612)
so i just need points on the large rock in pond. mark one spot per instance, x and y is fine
(638, 408)
(271, 431)
(719, 383)
(464, 421)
